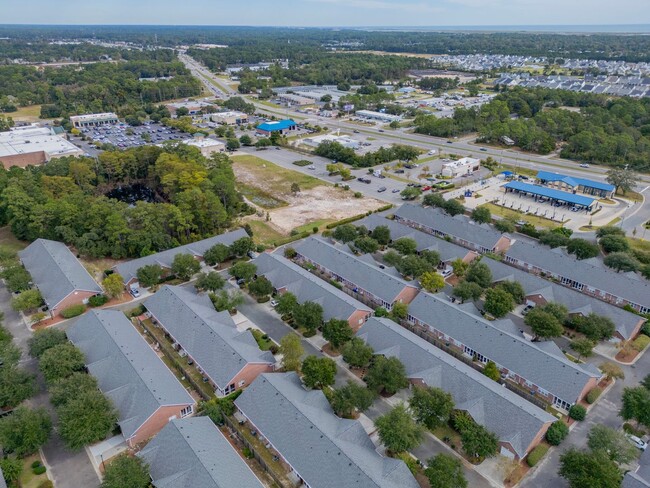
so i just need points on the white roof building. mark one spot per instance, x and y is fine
(345, 141)
(369, 114)
(461, 167)
(33, 145)
(92, 120)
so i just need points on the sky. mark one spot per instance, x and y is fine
(327, 12)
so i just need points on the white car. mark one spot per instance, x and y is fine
(584, 165)
(639, 443)
(274, 303)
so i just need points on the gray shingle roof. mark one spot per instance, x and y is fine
(128, 371)
(348, 267)
(556, 375)
(634, 289)
(641, 477)
(210, 337)
(325, 450)
(458, 226)
(447, 250)
(307, 287)
(193, 453)
(56, 271)
(499, 410)
(3, 483)
(575, 301)
(128, 270)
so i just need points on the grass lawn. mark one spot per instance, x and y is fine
(276, 179)
(264, 344)
(447, 431)
(639, 244)
(260, 197)
(308, 227)
(28, 479)
(268, 104)
(31, 112)
(518, 170)
(265, 234)
(8, 240)
(510, 213)
(630, 195)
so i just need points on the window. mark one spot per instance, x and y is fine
(187, 411)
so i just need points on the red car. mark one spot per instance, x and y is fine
(426, 188)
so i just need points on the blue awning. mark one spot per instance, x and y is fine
(543, 191)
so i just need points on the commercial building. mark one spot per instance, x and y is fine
(371, 115)
(463, 166)
(286, 276)
(540, 291)
(128, 270)
(344, 141)
(478, 237)
(322, 449)
(364, 281)
(281, 126)
(229, 118)
(34, 145)
(58, 275)
(539, 370)
(144, 391)
(549, 194)
(229, 359)
(194, 453)
(293, 99)
(588, 276)
(575, 184)
(518, 424)
(93, 120)
(206, 145)
(193, 107)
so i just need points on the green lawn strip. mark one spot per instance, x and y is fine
(535, 220)
(264, 234)
(278, 179)
(264, 344)
(259, 197)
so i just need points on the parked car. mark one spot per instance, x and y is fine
(395, 190)
(274, 303)
(426, 188)
(381, 189)
(483, 149)
(355, 131)
(639, 443)
(399, 171)
(135, 292)
(584, 165)
(527, 309)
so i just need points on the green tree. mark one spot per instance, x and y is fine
(481, 215)
(399, 312)
(243, 270)
(16, 386)
(614, 243)
(44, 339)
(582, 248)
(260, 287)
(556, 433)
(410, 193)
(381, 234)
(16, 278)
(211, 281)
(636, 405)
(357, 353)
(295, 188)
(345, 233)
(337, 332)
(227, 300)
(318, 372)
(466, 290)
(431, 406)
(63, 390)
(350, 398)
(242, 246)
(432, 282)
(291, 350)
(543, 324)
(308, 315)
(583, 347)
(405, 246)
(514, 289)
(386, 374)
(246, 140)
(61, 361)
(557, 310)
(398, 431)
(491, 371)
(498, 302)
(505, 226)
(232, 144)
(25, 430)
(577, 412)
(613, 443)
(612, 370)
(479, 442)
(609, 230)
(553, 239)
(11, 469)
(217, 254)
(113, 285)
(86, 419)
(480, 274)
(184, 266)
(589, 470)
(620, 261)
(286, 303)
(454, 207)
(433, 200)
(366, 244)
(415, 266)
(622, 179)
(445, 471)
(27, 300)
(126, 471)
(149, 275)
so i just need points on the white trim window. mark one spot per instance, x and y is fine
(187, 411)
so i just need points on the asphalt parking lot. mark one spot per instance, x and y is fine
(124, 136)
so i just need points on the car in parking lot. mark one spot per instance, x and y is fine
(584, 165)
(381, 189)
(426, 188)
(483, 149)
(450, 142)
(274, 303)
(395, 190)
(637, 442)
(399, 171)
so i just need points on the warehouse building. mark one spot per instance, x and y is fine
(206, 145)
(344, 141)
(463, 166)
(281, 126)
(292, 99)
(34, 145)
(229, 118)
(93, 120)
(382, 117)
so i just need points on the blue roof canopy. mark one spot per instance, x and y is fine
(574, 181)
(544, 191)
(274, 126)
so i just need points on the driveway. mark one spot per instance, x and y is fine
(67, 469)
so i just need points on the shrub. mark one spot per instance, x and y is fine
(39, 470)
(641, 342)
(577, 412)
(73, 311)
(556, 433)
(358, 194)
(46, 484)
(309, 333)
(593, 395)
(536, 454)
(36, 464)
(97, 300)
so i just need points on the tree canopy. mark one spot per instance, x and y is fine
(398, 431)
